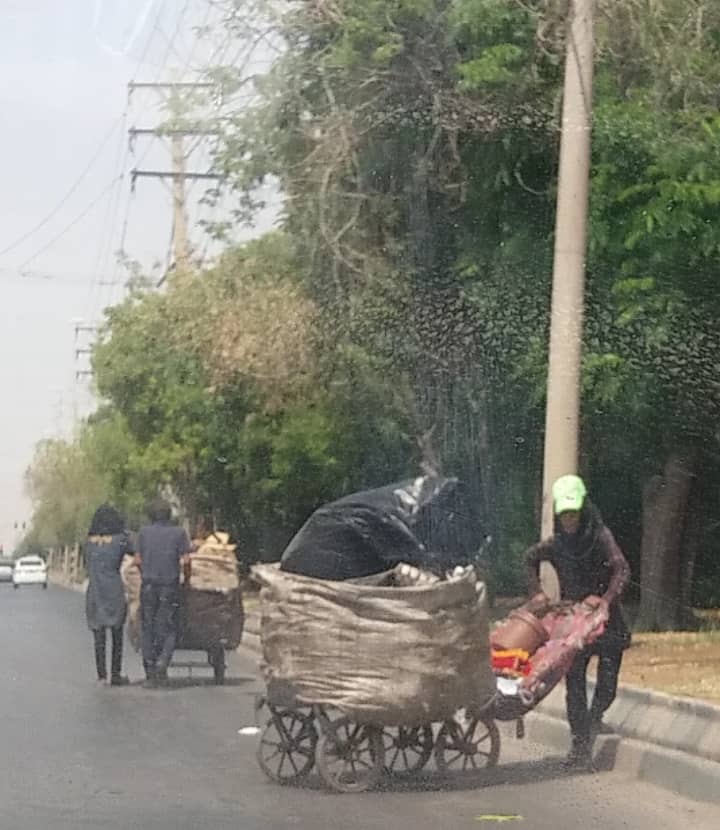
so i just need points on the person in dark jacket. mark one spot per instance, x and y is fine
(590, 566)
(162, 549)
(105, 605)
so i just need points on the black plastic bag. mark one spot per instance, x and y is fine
(426, 522)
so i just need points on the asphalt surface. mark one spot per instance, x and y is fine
(74, 755)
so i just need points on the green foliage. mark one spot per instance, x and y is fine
(402, 312)
(495, 66)
(194, 407)
(66, 487)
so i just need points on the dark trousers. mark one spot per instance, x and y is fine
(581, 718)
(100, 635)
(158, 613)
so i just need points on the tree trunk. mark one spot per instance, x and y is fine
(649, 563)
(422, 233)
(691, 544)
(488, 472)
(489, 485)
(665, 502)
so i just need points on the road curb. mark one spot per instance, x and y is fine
(78, 587)
(683, 774)
(677, 723)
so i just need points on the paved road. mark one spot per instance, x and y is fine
(74, 756)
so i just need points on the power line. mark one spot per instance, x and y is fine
(156, 29)
(106, 236)
(174, 50)
(69, 193)
(63, 201)
(198, 35)
(72, 224)
(174, 36)
(150, 38)
(134, 84)
(41, 277)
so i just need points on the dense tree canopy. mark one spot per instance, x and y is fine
(399, 317)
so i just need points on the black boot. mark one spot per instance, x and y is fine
(150, 678)
(580, 755)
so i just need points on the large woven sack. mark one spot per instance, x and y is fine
(213, 567)
(378, 652)
(210, 618)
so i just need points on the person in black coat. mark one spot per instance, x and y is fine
(105, 605)
(590, 566)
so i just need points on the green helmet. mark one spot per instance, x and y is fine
(568, 494)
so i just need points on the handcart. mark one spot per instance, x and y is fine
(210, 614)
(302, 729)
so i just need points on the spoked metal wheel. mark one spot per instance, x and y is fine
(350, 757)
(407, 749)
(467, 745)
(286, 753)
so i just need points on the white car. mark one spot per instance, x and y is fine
(29, 570)
(6, 570)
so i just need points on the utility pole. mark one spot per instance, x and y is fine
(562, 419)
(80, 350)
(84, 327)
(83, 369)
(178, 173)
(180, 232)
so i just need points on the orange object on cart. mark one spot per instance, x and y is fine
(514, 662)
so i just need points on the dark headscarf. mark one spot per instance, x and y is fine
(584, 542)
(107, 521)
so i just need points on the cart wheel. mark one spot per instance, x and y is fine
(216, 658)
(407, 749)
(469, 746)
(286, 753)
(350, 758)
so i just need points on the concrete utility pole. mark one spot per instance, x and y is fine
(180, 231)
(81, 351)
(178, 173)
(562, 420)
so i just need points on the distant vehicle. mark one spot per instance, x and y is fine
(6, 569)
(29, 570)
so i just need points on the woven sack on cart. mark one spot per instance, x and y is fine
(375, 649)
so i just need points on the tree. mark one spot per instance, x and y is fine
(415, 144)
(230, 398)
(64, 487)
(399, 317)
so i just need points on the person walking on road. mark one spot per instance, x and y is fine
(591, 567)
(105, 605)
(162, 549)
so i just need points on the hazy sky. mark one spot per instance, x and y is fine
(64, 69)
